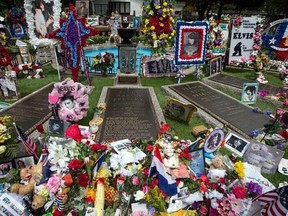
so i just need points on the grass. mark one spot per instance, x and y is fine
(182, 130)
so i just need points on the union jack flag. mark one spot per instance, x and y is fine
(275, 202)
(28, 143)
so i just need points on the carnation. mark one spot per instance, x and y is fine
(239, 191)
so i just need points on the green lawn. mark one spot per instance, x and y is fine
(182, 130)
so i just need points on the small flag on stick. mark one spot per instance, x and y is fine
(28, 143)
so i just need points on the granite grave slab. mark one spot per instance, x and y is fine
(225, 109)
(31, 110)
(129, 114)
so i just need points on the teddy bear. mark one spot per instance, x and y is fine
(217, 163)
(26, 184)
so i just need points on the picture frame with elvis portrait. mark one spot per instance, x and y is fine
(5, 168)
(178, 110)
(23, 161)
(249, 93)
(215, 65)
(191, 38)
(214, 140)
(197, 164)
(56, 126)
(236, 143)
(8, 87)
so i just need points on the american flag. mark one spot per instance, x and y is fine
(28, 143)
(275, 202)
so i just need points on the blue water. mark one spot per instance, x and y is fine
(140, 52)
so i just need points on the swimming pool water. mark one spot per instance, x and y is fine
(140, 52)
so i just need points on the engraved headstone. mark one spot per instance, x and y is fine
(31, 110)
(129, 114)
(227, 110)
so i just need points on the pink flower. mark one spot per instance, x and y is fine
(145, 189)
(135, 180)
(256, 47)
(54, 183)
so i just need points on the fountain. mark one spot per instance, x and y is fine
(127, 56)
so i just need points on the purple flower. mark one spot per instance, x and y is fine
(263, 94)
(195, 205)
(253, 189)
(267, 112)
(256, 110)
(254, 133)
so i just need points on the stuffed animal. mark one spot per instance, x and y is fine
(38, 201)
(26, 185)
(62, 195)
(60, 201)
(217, 163)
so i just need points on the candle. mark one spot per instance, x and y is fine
(99, 201)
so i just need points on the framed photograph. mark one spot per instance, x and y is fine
(10, 206)
(197, 164)
(121, 145)
(215, 65)
(214, 140)
(183, 193)
(41, 19)
(178, 110)
(56, 126)
(236, 144)
(9, 88)
(82, 8)
(23, 162)
(191, 38)
(136, 22)
(263, 156)
(5, 168)
(249, 93)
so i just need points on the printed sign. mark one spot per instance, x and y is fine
(159, 67)
(242, 39)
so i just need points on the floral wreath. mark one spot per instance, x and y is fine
(5, 58)
(78, 96)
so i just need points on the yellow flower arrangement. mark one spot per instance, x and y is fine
(158, 24)
(6, 148)
(239, 169)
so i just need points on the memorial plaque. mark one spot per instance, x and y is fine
(225, 109)
(238, 83)
(127, 79)
(129, 114)
(31, 110)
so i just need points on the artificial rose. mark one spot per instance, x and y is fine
(149, 148)
(75, 164)
(135, 180)
(154, 183)
(40, 128)
(83, 180)
(145, 188)
(145, 171)
(96, 147)
(240, 192)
